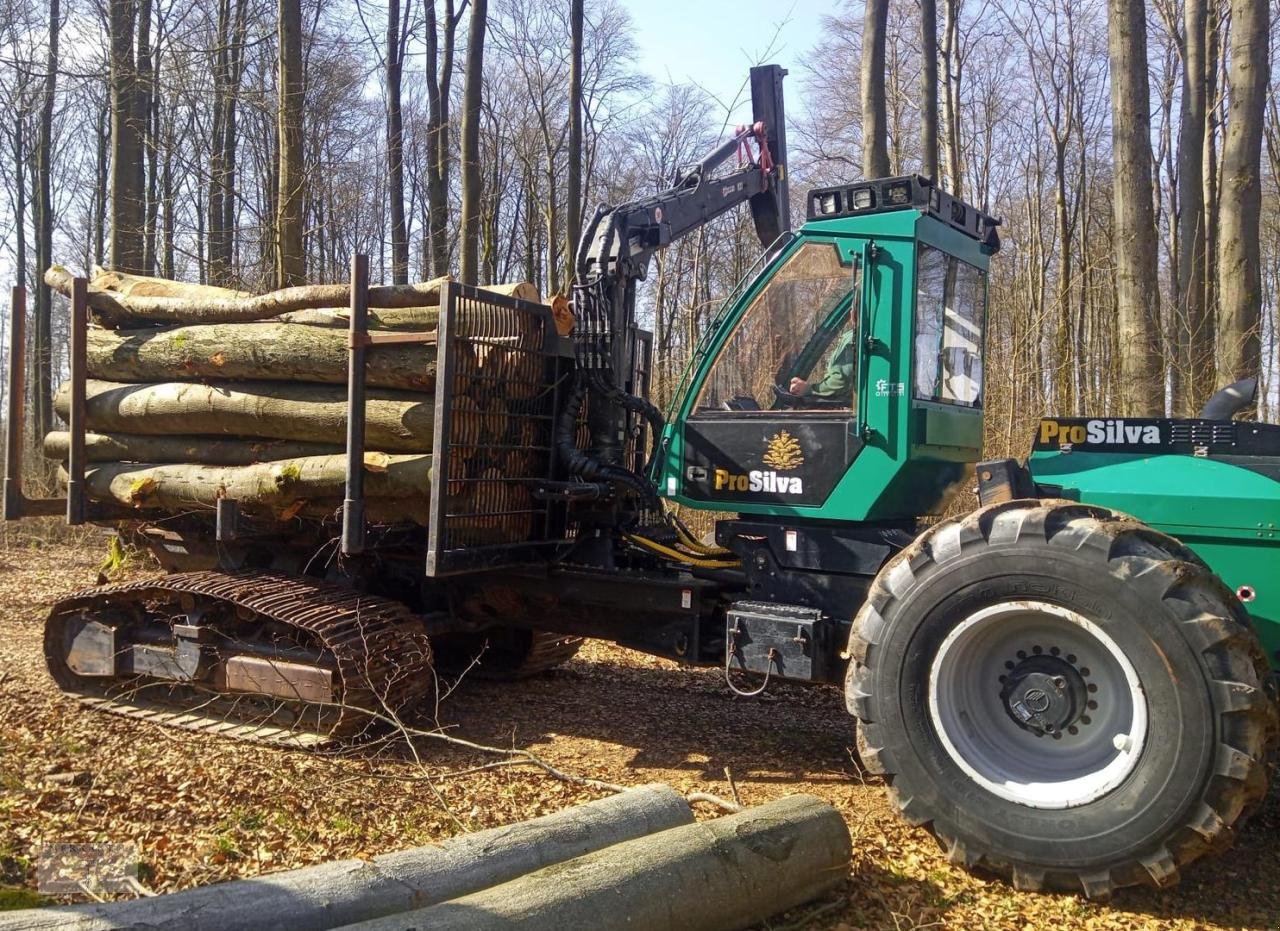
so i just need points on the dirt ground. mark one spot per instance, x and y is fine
(204, 809)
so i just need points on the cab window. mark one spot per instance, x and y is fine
(794, 346)
(950, 315)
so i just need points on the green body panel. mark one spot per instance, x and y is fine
(1229, 515)
(916, 453)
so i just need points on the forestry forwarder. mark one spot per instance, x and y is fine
(1067, 695)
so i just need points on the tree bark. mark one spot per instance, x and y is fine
(396, 421)
(338, 893)
(101, 180)
(1239, 346)
(1141, 389)
(471, 183)
(168, 193)
(127, 205)
(952, 74)
(729, 873)
(228, 66)
(116, 309)
(290, 257)
(132, 447)
(439, 81)
(42, 344)
(142, 106)
(267, 485)
(395, 142)
(108, 279)
(426, 317)
(1193, 359)
(573, 207)
(875, 143)
(929, 89)
(266, 351)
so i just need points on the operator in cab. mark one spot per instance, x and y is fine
(837, 383)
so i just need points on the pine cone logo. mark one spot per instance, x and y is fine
(783, 452)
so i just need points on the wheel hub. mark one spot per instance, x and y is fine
(1059, 723)
(1044, 694)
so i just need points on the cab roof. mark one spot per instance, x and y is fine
(909, 192)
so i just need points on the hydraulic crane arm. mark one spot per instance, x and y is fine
(621, 240)
(614, 254)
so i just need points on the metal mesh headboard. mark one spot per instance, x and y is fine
(495, 405)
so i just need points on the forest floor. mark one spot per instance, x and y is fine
(203, 809)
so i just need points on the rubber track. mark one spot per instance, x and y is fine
(547, 651)
(381, 652)
(1212, 619)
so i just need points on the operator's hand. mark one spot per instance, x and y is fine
(799, 386)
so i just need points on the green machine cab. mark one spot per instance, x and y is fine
(885, 286)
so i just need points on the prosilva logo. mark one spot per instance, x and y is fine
(782, 451)
(1101, 431)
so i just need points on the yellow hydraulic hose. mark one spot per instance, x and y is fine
(678, 556)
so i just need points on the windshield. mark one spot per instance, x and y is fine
(794, 345)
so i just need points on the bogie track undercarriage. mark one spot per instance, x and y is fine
(254, 655)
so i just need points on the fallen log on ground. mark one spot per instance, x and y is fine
(282, 487)
(273, 351)
(133, 447)
(395, 421)
(719, 875)
(117, 309)
(332, 894)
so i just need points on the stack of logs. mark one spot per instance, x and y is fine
(196, 393)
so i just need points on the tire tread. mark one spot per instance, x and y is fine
(1215, 623)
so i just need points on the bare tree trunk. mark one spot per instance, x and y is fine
(219, 262)
(20, 197)
(929, 88)
(101, 181)
(290, 257)
(1137, 285)
(1213, 55)
(471, 184)
(126, 152)
(573, 207)
(1193, 359)
(167, 193)
(1239, 245)
(395, 142)
(42, 347)
(951, 95)
(875, 143)
(230, 140)
(142, 106)
(439, 81)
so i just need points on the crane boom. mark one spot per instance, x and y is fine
(614, 253)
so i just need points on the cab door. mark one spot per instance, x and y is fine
(776, 417)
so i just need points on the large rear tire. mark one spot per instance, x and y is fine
(1062, 695)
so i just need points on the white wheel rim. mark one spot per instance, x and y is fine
(989, 668)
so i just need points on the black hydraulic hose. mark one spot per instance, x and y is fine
(581, 463)
(1231, 400)
(580, 260)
